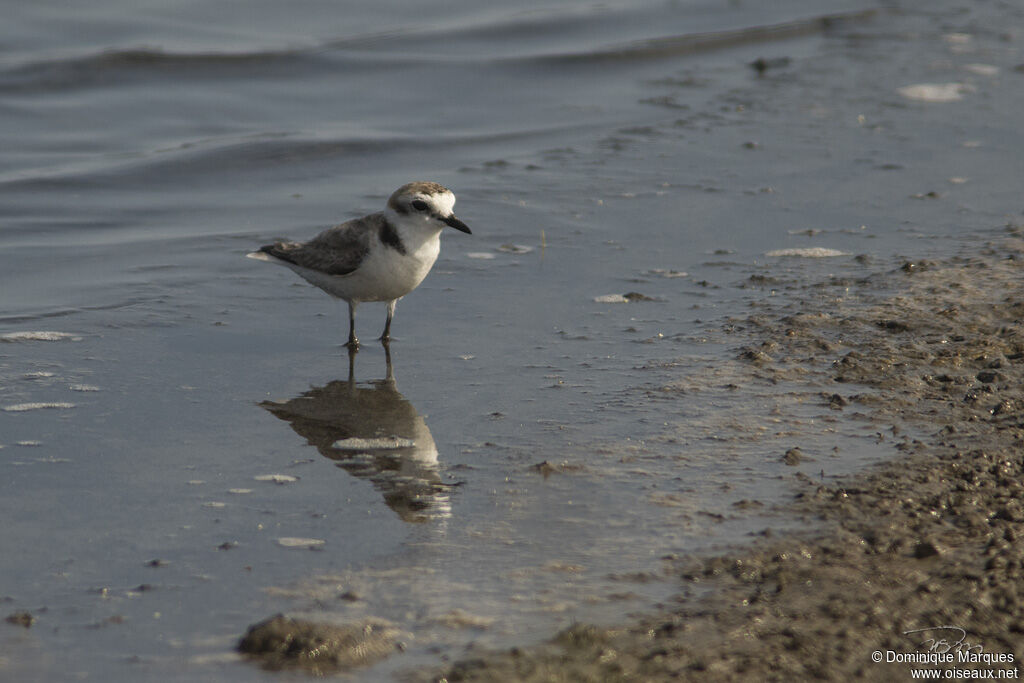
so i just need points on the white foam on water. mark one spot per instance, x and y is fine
(982, 69)
(667, 273)
(276, 478)
(296, 542)
(934, 92)
(611, 299)
(38, 336)
(807, 252)
(23, 407)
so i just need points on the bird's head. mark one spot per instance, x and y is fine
(428, 202)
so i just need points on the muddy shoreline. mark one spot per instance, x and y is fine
(932, 353)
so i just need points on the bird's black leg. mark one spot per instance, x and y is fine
(353, 343)
(386, 337)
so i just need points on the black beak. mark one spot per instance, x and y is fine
(457, 224)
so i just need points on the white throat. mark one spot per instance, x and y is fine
(413, 228)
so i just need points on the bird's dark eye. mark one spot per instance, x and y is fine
(419, 205)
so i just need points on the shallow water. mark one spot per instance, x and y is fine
(147, 149)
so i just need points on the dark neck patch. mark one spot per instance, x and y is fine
(390, 237)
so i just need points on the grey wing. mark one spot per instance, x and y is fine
(335, 251)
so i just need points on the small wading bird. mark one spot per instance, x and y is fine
(380, 257)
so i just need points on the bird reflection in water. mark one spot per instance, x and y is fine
(372, 432)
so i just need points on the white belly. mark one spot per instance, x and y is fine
(384, 275)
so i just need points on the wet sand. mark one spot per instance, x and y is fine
(932, 354)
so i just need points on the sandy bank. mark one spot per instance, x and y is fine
(933, 354)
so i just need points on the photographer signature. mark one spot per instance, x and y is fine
(937, 641)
